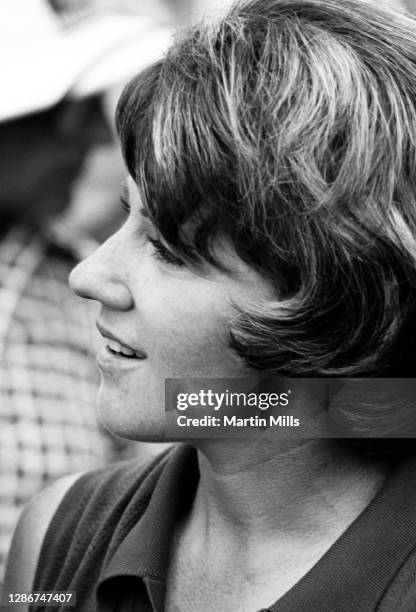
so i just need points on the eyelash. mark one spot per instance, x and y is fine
(162, 253)
(124, 204)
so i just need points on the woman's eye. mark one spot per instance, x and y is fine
(162, 253)
(124, 204)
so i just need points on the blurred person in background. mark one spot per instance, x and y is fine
(55, 58)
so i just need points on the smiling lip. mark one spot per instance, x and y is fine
(119, 349)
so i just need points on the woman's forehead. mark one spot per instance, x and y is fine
(131, 193)
(130, 189)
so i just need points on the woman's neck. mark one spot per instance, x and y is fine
(251, 491)
(263, 516)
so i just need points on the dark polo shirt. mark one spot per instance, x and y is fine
(110, 538)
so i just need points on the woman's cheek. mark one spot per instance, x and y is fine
(187, 323)
(197, 348)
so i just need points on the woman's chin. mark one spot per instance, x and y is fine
(140, 422)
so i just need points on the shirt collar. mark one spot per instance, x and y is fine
(144, 553)
(355, 572)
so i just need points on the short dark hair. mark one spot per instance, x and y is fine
(290, 127)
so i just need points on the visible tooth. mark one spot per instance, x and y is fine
(114, 345)
(120, 348)
(126, 351)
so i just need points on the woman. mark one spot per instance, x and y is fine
(271, 228)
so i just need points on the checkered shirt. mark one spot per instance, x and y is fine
(48, 378)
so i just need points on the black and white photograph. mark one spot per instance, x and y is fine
(208, 305)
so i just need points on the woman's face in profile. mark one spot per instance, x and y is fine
(159, 318)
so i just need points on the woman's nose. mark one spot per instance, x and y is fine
(101, 277)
